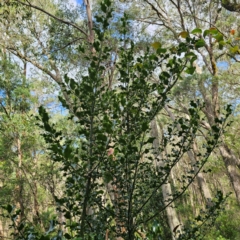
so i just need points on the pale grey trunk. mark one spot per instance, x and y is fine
(172, 216)
(1, 230)
(232, 165)
(200, 177)
(1, 222)
(192, 156)
(173, 219)
(230, 162)
(19, 187)
(2, 233)
(36, 211)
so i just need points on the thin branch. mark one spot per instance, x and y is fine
(160, 15)
(233, 57)
(21, 56)
(54, 17)
(68, 44)
(5, 110)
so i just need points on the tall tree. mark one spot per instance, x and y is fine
(184, 18)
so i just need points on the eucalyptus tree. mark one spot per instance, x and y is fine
(217, 31)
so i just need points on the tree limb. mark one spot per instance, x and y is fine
(54, 17)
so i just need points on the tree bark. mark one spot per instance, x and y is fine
(19, 187)
(193, 158)
(233, 172)
(37, 219)
(231, 162)
(200, 177)
(212, 105)
(173, 220)
(2, 234)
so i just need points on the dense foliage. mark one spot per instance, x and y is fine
(125, 142)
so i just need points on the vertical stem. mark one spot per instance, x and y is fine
(19, 188)
(89, 177)
(35, 194)
(90, 25)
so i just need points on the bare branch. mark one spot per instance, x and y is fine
(68, 44)
(54, 17)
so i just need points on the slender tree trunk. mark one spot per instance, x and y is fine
(231, 162)
(52, 189)
(2, 233)
(19, 187)
(212, 105)
(90, 21)
(36, 212)
(1, 230)
(200, 177)
(212, 111)
(1, 222)
(173, 219)
(233, 172)
(113, 193)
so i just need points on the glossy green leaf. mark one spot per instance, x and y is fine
(205, 33)
(200, 43)
(196, 31)
(190, 70)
